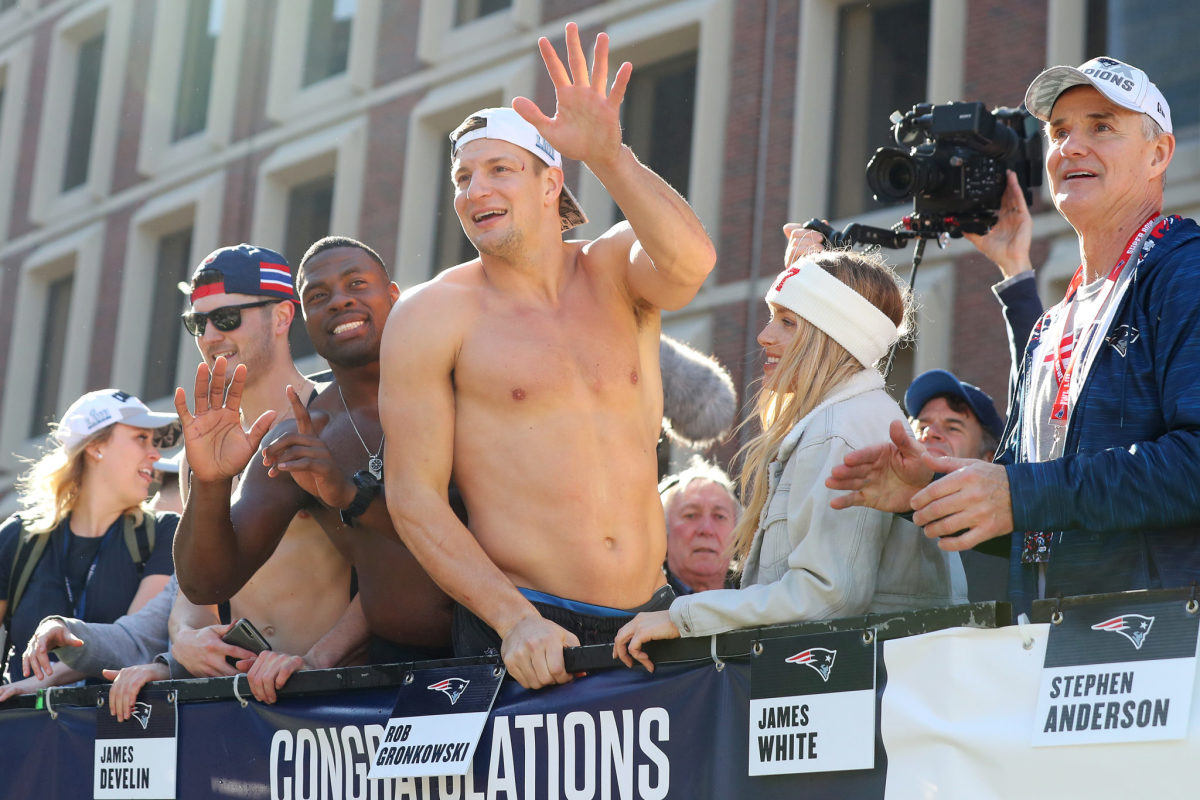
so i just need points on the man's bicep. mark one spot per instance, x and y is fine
(619, 249)
(416, 406)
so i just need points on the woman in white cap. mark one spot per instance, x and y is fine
(84, 544)
(834, 316)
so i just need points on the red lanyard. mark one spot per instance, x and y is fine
(1064, 360)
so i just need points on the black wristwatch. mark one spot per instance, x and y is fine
(368, 489)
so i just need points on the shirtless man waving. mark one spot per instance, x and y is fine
(530, 375)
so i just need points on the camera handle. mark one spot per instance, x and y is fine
(866, 235)
(854, 233)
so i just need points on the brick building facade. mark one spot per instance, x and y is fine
(136, 136)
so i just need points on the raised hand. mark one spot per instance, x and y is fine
(884, 476)
(217, 447)
(1007, 243)
(586, 126)
(305, 456)
(801, 242)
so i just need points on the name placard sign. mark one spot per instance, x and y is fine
(812, 704)
(136, 759)
(438, 719)
(1117, 671)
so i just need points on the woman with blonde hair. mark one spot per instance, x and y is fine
(834, 317)
(84, 544)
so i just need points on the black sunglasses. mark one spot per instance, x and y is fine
(224, 319)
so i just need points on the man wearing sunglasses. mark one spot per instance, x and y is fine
(319, 464)
(243, 304)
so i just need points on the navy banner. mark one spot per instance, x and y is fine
(680, 733)
(954, 710)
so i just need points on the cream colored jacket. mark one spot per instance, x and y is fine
(810, 562)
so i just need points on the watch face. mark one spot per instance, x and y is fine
(365, 480)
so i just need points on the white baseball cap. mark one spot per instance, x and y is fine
(97, 410)
(507, 125)
(1125, 85)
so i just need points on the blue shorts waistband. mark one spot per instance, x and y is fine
(577, 607)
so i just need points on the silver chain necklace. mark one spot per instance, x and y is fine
(374, 460)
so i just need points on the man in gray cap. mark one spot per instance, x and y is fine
(1098, 474)
(243, 304)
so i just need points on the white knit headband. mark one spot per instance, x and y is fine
(843, 314)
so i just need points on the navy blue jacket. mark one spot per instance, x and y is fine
(1124, 500)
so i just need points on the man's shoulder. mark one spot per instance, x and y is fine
(439, 301)
(1178, 244)
(1173, 260)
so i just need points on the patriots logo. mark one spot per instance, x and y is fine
(141, 712)
(451, 687)
(818, 658)
(1117, 68)
(1134, 627)
(1121, 337)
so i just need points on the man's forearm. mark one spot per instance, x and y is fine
(348, 637)
(666, 226)
(206, 544)
(459, 566)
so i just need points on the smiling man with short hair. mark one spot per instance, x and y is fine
(1099, 470)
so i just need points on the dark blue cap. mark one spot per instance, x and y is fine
(939, 382)
(244, 269)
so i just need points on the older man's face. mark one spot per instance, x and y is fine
(700, 521)
(1098, 161)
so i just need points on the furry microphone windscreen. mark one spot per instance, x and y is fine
(699, 401)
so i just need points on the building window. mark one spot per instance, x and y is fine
(53, 353)
(469, 10)
(172, 266)
(1156, 38)
(329, 23)
(83, 111)
(5, 5)
(196, 71)
(882, 66)
(658, 114)
(310, 209)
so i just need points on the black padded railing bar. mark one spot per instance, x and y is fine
(733, 645)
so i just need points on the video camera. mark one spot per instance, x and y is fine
(954, 167)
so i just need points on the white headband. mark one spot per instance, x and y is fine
(843, 314)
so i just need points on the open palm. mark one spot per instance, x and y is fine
(586, 126)
(217, 447)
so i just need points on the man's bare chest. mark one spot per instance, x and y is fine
(538, 358)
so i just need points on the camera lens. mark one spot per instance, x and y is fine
(893, 175)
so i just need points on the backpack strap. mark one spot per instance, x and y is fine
(30, 547)
(139, 540)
